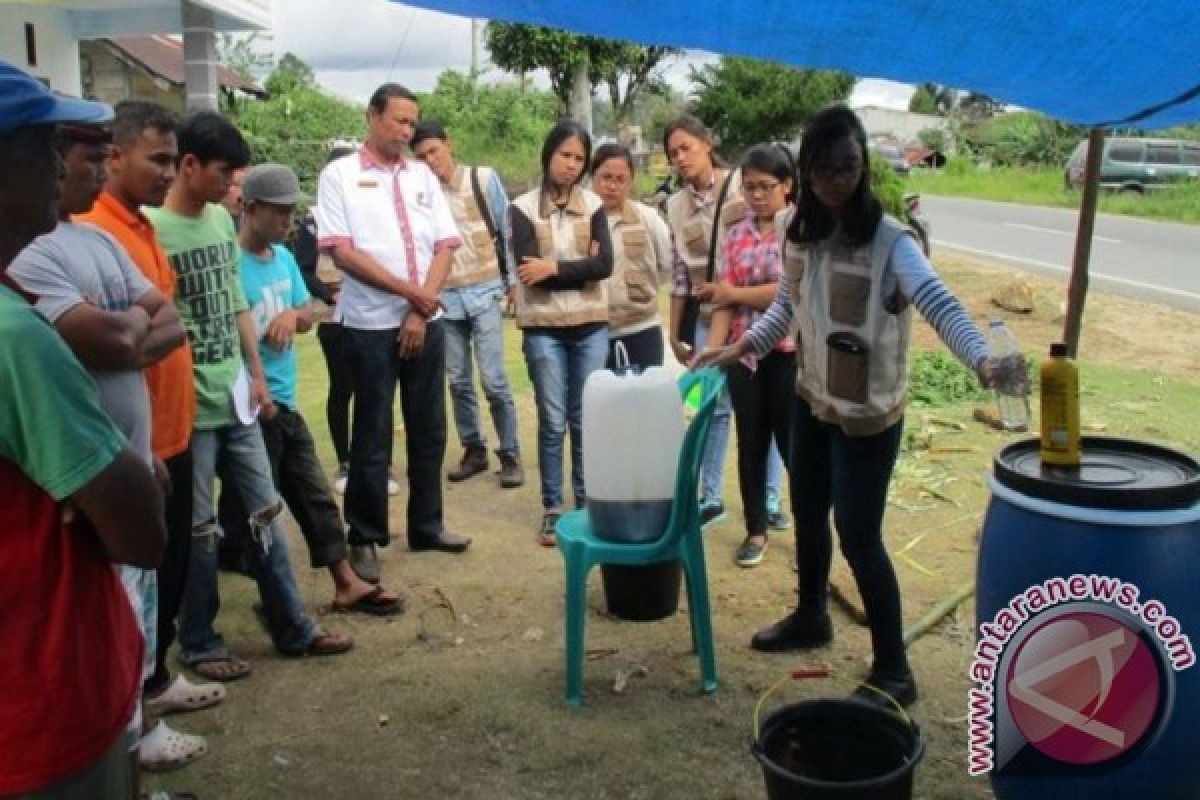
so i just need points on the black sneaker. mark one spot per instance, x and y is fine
(711, 513)
(887, 692)
(799, 630)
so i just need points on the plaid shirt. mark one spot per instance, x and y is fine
(750, 257)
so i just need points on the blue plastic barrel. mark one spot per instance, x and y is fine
(1088, 625)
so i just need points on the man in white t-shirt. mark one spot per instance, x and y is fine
(386, 223)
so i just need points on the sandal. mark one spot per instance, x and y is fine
(374, 603)
(326, 643)
(163, 749)
(224, 670)
(183, 695)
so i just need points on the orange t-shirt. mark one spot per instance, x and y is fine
(172, 393)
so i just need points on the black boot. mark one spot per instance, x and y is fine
(474, 461)
(900, 688)
(799, 630)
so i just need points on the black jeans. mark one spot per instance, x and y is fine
(763, 403)
(644, 348)
(851, 475)
(172, 572)
(377, 367)
(301, 482)
(341, 387)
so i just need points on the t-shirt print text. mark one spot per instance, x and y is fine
(204, 286)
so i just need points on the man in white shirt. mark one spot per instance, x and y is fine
(386, 223)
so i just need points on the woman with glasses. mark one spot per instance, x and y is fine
(750, 267)
(850, 275)
(641, 249)
(563, 253)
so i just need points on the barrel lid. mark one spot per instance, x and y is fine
(1117, 474)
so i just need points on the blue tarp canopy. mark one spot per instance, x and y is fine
(1111, 63)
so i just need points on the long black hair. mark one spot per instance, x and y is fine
(565, 129)
(812, 221)
(773, 160)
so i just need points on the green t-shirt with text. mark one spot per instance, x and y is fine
(203, 252)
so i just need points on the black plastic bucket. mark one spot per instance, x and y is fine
(837, 750)
(642, 594)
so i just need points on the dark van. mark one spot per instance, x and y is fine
(1138, 164)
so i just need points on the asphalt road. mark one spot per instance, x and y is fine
(1157, 261)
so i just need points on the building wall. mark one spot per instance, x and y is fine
(110, 79)
(903, 126)
(57, 50)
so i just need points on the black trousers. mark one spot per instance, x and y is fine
(763, 403)
(341, 387)
(377, 368)
(172, 572)
(301, 482)
(644, 348)
(849, 474)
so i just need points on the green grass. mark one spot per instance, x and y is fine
(1044, 187)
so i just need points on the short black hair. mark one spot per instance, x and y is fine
(379, 98)
(208, 137)
(862, 215)
(609, 151)
(773, 160)
(132, 117)
(566, 128)
(428, 129)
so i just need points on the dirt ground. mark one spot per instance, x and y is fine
(462, 696)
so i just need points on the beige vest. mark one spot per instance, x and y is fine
(474, 262)
(563, 235)
(633, 287)
(691, 227)
(851, 329)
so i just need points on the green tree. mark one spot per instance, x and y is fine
(933, 98)
(746, 101)
(1023, 138)
(625, 69)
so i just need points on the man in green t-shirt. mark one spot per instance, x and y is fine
(200, 240)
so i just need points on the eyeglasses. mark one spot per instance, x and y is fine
(612, 180)
(760, 188)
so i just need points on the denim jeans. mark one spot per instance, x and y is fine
(483, 325)
(243, 458)
(377, 366)
(559, 362)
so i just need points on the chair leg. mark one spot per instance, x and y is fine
(687, 584)
(576, 611)
(701, 613)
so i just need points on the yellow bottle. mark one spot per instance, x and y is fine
(1060, 409)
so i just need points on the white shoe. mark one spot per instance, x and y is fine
(163, 749)
(183, 695)
(393, 485)
(340, 477)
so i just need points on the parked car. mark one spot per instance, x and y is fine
(1137, 164)
(893, 155)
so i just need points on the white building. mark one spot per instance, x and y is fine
(43, 38)
(902, 127)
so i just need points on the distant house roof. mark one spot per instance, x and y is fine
(163, 56)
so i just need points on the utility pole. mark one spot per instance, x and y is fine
(581, 95)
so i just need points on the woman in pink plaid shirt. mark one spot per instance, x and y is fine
(749, 269)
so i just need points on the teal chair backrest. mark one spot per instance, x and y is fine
(685, 508)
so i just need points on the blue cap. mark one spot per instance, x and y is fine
(24, 100)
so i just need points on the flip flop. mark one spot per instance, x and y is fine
(224, 670)
(374, 603)
(326, 643)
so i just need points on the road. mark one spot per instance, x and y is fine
(1158, 261)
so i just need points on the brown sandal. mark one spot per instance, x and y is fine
(224, 670)
(326, 643)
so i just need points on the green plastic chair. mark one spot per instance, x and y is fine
(582, 550)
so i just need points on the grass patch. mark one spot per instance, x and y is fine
(1044, 187)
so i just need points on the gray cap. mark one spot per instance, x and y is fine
(271, 183)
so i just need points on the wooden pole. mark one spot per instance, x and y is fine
(1077, 289)
(935, 615)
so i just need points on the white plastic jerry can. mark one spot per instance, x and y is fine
(632, 433)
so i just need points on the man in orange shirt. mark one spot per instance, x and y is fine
(140, 169)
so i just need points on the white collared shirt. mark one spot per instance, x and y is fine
(394, 213)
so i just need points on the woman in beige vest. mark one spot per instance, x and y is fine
(641, 250)
(851, 275)
(563, 253)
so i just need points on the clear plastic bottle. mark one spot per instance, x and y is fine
(1061, 443)
(1012, 404)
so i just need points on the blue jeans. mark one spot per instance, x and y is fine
(559, 363)
(242, 456)
(483, 325)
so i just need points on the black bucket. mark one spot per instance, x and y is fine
(642, 594)
(837, 750)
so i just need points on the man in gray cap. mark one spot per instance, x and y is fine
(77, 500)
(279, 305)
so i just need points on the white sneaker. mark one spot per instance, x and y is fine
(163, 749)
(340, 477)
(393, 484)
(183, 695)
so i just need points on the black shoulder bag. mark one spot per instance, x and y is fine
(691, 306)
